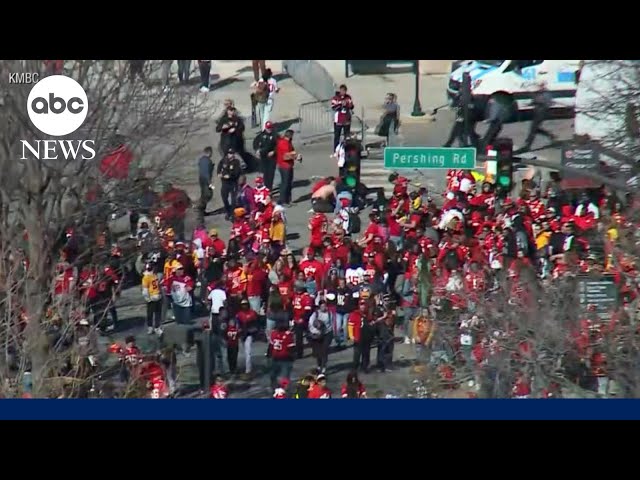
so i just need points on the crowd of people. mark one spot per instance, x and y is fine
(463, 282)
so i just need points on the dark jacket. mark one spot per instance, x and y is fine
(233, 140)
(229, 169)
(264, 143)
(205, 169)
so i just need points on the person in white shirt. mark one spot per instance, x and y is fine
(273, 90)
(217, 299)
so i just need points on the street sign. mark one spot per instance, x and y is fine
(599, 292)
(429, 158)
(582, 157)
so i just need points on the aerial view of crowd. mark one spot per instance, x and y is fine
(480, 284)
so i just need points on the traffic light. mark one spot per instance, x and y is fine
(352, 161)
(504, 175)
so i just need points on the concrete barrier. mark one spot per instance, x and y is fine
(435, 67)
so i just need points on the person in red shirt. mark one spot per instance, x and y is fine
(236, 280)
(231, 335)
(319, 228)
(372, 231)
(248, 326)
(285, 156)
(320, 390)
(256, 284)
(130, 358)
(215, 244)
(353, 387)
(522, 387)
(302, 308)
(312, 267)
(342, 106)
(285, 288)
(175, 203)
(355, 323)
(219, 390)
(281, 350)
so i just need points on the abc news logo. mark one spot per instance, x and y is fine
(58, 106)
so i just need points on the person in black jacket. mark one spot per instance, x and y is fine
(265, 147)
(231, 129)
(229, 169)
(542, 102)
(205, 172)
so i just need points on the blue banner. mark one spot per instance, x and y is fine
(320, 410)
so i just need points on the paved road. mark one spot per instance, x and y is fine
(316, 163)
(435, 133)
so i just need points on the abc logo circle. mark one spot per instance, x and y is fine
(57, 105)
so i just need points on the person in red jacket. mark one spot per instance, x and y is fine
(215, 243)
(281, 350)
(342, 106)
(320, 389)
(522, 387)
(355, 323)
(353, 387)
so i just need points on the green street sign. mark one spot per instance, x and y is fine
(429, 158)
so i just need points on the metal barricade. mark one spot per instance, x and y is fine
(312, 77)
(316, 120)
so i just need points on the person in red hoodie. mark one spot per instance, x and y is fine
(320, 390)
(215, 243)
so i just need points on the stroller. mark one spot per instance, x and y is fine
(388, 126)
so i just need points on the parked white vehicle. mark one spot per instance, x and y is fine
(516, 81)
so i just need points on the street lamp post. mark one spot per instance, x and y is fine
(417, 108)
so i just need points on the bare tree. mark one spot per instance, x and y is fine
(39, 199)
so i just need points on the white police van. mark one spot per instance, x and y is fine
(514, 82)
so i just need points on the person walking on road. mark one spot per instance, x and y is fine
(281, 350)
(153, 297)
(166, 74)
(342, 106)
(321, 334)
(285, 156)
(542, 102)
(136, 69)
(465, 134)
(205, 173)
(497, 113)
(184, 71)
(205, 73)
(229, 171)
(259, 67)
(265, 147)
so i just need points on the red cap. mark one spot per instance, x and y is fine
(268, 125)
(260, 179)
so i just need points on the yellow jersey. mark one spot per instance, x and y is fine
(151, 285)
(168, 267)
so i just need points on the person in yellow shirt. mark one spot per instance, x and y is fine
(424, 329)
(153, 296)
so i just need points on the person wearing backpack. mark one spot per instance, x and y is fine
(263, 96)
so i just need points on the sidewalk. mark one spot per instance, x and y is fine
(368, 91)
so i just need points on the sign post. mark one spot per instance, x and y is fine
(598, 292)
(430, 158)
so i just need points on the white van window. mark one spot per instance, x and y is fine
(495, 63)
(520, 64)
